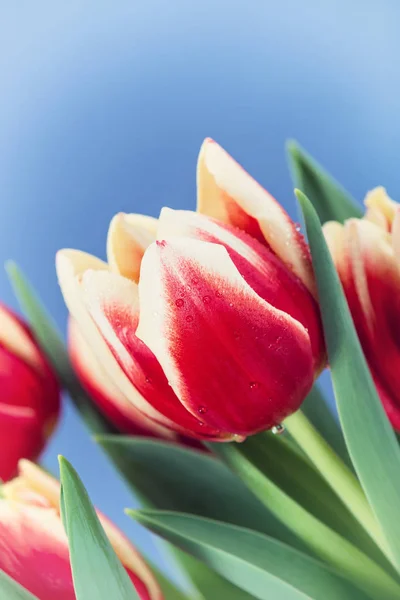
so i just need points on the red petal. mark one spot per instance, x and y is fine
(113, 304)
(259, 266)
(27, 412)
(107, 396)
(228, 193)
(371, 280)
(34, 550)
(234, 360)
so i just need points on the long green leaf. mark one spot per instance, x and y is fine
(170, 477)
(209, 583)
(369, 437)
(316, 409)
(329, 198)
(169, 589)
(11, 590)
(254, 562)
(51, 342)
(323, 541)
(97, 572)
(292, 472)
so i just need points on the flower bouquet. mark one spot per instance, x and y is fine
(193, 358)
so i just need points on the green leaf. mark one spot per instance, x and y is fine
(369, 436)
(329, 198)
(169, 589)
(323, 541)
(96, 570)
(209, 583)
(316, 409)
(292, 472)
(254, 562)
(11, 590)
(169, 477)
(50, 340)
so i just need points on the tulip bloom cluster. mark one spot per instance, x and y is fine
(34, 546)
(366, 253)
(30, 395)
(201, 324)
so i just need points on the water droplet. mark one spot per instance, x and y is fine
(189, 319)
(218, 294)
(230, 303)
(195, 281)
(206, 299)
(278, 429)
(297, 227)
(148, 380)
(253, 385)
(202, 410)
(180, 302)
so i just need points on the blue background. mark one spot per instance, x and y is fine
(104, 105)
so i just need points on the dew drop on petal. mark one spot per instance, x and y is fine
(206, 299)
(180, 302)
(278, 429)
(195, 281)
(148, 380)
(253, 385)
(202, 410)
(297, 227)
(218, 294)
(189, 319)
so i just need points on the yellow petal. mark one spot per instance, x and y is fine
(128, 238)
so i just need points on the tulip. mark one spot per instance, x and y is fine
(366, 253)
(30, 395)
(216, 334)
(34, 546)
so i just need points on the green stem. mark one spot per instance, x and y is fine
(323, 541)
(343, 482)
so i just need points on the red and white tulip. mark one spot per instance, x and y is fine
(211, 331)
(34, 546)
(30, 395)
(366, 253)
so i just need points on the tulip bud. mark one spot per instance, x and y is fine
(34, 546)
(366, 255)
(219, 359)
(30, 395)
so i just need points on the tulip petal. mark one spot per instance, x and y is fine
(259, 266)
(371, 282)
(21, 435)
(35, 486)
(106, 395)
(128, 238)
(380, 208)
(71, 267)
(34, 550)
(396, 235)
(26, 412)
(234, 360)
(112, 302)
(15, 336)
(228, 193)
